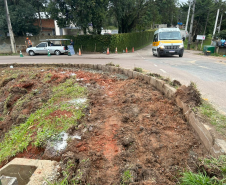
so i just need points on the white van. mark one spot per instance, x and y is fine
(168, 41)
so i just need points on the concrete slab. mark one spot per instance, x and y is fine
(30, 171)
(5, 180)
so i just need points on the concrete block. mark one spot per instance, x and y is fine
(125, 72)
(120, 70)
(135, 74)
(140, 76)
(202, 132)
(5, 180)
(159, 84)
(95, 66)
(111, 69)
(166, 90)
(116, 69)
(130, 74)
(99, 66)
(147, 79)
(153, 81)
(30, 171)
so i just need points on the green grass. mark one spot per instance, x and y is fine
(138, 69)
(126, 177)
(205, 42)
(190, 178)
(39, 127)
(217, 163)
(9, 54)
(215, 118)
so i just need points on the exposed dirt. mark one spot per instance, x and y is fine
(129, 125)
(189, 95)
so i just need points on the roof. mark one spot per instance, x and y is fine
(53, 39)
(166, 30)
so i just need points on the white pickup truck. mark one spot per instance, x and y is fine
(43, 47)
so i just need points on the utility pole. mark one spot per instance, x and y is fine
(186, 27)
(219, 28)
(215, 26)
(191, 25)
(10, 27)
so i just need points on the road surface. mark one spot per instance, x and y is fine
(209, 73)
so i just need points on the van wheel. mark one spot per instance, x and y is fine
(57, 52)
(181, 55)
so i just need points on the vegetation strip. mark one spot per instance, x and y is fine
(40, 126)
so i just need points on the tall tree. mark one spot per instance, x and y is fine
(22, 14)
(79, 12)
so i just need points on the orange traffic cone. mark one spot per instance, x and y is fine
(133, 49)
(80, 53)
(126, 50)
(108, 51)
(116, 50)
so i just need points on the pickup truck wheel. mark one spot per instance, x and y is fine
(57, 52)
(31, 53)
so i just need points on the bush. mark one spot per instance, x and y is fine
(100, 43)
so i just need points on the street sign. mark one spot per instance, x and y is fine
(201, 37)
(72, 51)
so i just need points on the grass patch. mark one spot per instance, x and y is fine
(190, 178)
(40, 126)
(138, 69)
(9, 54)
(1, 119)
(205, 42)
(215, 118)
(213, 165)
(126, 177)
(112, 64)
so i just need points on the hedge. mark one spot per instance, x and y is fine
(100, 43)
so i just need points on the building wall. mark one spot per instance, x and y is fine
(5, 45)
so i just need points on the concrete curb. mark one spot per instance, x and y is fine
(215, 146)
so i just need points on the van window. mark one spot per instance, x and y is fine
(172, 35)
(155, 39)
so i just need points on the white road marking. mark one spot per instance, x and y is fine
(204, 67)
(155, 65)
(193, 62)
(162, 70)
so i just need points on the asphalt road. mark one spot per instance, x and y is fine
(209, 73)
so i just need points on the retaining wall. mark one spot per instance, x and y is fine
(214, 146)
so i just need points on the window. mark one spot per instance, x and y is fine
(155, 39)
(42, 45)
(174, 35)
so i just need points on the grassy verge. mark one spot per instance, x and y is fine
(9, 54)
(42, 126)
(205, 42)
(217, 119)
(212, 172)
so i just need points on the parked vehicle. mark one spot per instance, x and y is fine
(49, 46)
(168, 41)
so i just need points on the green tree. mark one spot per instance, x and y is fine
(80, 13)
(22, 14)
(127, 13)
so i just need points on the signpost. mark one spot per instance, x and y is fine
(71, 48)
(201, 37)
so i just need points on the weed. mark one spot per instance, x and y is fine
(138, 69)
(217, 163)
(110, 64)
(190, 178)
(47, 77)
(117, 65)
(6, 103)
(1, 119)
(126, 177)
